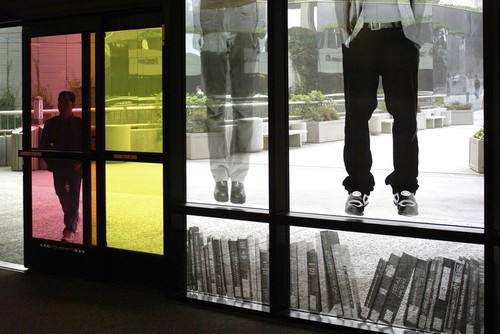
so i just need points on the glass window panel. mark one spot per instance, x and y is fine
(229, 259)
(134, 206)
(56, 64)
(226, 98)
(404, 282)
(133, 74)
(450, 60)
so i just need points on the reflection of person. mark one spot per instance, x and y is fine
(228, 46)
(64, 132)
(477, 86)
(381, 40)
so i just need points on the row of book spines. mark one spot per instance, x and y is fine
(235, 269)
(438, 297)
(322, 277)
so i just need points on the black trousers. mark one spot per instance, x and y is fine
(67, 184)
(389, 55)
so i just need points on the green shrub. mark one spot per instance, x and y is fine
(457, 105)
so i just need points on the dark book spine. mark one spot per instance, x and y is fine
(199, 264)
(472, 297)
(342, 281)
(204, 265)
(417, 291)
(398, 288)
(235, 268)
(264, 267)
(211, 267)
(479, 324)
(246, 279)
(294, 278)
(374, 286)
(253, 268)
(385, 285)
(443, 295)
(435, 292)
(258, 273)
(323, 289)
(219, 275)
(452, 307)
(328, 239)
(459, 326)
(228, 273)
(190, 273)
(313, 281)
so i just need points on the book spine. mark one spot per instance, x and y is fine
(323, 289)
(198, 255)
(313, 282)
(479, 325)
(435, 291)
(219, 275)
(228, 273)
(302, 275)
(426, 300)
(211, 266)
(258, 272)
(374, 286)
(472, 297)
(352, 285)
(417, 291)
(328, 239)
(253, 269)
(235, 268)
(342, 279)
(204, 266)
(452, 307)
(443, 295)
(398, 288)
(264, 265)
(459, 326)
(244, 259)
(190, 272)
(294, 278)
(385, 285)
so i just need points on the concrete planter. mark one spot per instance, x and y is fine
(197, 144)
(476, 154)
(325, 131)
(421, 122)
(462, 117)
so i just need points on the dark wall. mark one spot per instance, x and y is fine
(25, 10)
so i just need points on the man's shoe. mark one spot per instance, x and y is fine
(221, 192)
(238, 193)
(406, 203)
(68, 236)
(356, 202)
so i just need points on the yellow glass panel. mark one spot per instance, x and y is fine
(133, 74)
(134, 210)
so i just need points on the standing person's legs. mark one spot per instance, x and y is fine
(400, 87)
(361, 80)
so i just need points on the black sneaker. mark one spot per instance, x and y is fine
(220, 192)
(238, 195)
(406, 203)
(356, 202)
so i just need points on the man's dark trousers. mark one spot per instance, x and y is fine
(388, 54)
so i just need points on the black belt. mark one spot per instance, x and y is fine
(378, 26)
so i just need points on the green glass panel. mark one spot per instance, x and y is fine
(134, 211)
(133, 76)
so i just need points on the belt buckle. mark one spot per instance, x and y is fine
(375, 26)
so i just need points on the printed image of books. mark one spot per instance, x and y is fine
(322, 277)
(236, 269)
(437, 295)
